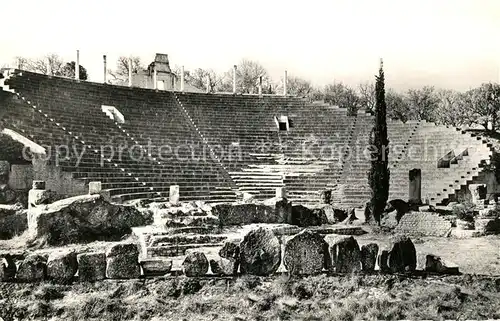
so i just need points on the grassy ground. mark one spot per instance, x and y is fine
(251, 298)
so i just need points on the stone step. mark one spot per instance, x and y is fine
(175, 250)
(178, 239)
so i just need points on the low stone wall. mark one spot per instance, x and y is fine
(259, 253)
(423, 224)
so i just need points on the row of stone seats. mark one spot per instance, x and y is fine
(71, 103)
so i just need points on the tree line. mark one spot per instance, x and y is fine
(476, 106)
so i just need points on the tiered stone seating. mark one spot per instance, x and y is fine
(316, 146)
(71, 115)
(215, 143)
(305, 159)
(429, 144)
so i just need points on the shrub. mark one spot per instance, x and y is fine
(464, 211)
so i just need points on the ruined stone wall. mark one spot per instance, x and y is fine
(20, 177)
(57, 180)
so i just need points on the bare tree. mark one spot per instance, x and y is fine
(366, 94)
(121, 71)
(485, 102)
(454, 108)
(200, 78)
(248, 75)
(342, 96)
(296, 86)
(398, 107)
(423, 103)
(50, 64)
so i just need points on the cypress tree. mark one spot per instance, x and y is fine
(378, 176)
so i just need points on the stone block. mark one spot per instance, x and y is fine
(38, 197)
(62, 266)
(32, 269)
(122, 261)
(402, 255)
(306, 253)
(303, 216)
(223, 266)
(382, 261)
(485, 226)
(174, 194)
(436, 264)
(7, 268)
(346, 255)
(156, 267)
(195, 264)
(369, 254)
(260, 252)
(280, 192)
(95, 188)
(91, 266)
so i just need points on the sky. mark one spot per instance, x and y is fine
(445, 43)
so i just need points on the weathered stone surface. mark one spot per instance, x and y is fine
(382, 261)
(389, 220)
(240, 214)
(95, 187)
(152, 267)
(423, 224)
(222, 266)
(195, 264)
(260, 252)
(283, 210)
(7, 268)
(346, 255)
(91, 266)
(436, 264)
(230, 250)
(485, 226)
(334, 214)
(369, 254)
(402, 255)
(13, 220)
(174, 194)
(32, 269)
(303, 216)
(62, 266)
(122, 261)
(83, 219)
(306, 253)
